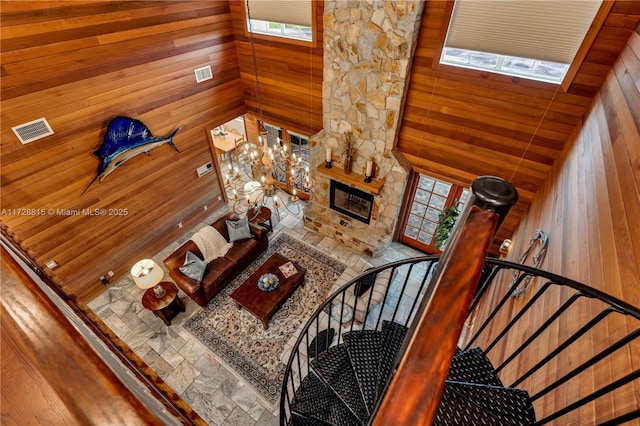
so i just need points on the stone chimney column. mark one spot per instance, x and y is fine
(368, 45)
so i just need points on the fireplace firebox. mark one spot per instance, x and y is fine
(351, 201)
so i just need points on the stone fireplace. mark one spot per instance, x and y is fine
(351, 201)
(368, 47)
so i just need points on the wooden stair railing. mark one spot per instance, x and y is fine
(413, 396)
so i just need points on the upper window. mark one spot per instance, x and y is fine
(281, 18)
(534, 39)
(298, 32)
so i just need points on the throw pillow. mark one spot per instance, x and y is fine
(364, 284)
(324, 339)
(238, 230)
(193, 267)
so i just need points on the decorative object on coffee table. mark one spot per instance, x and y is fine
(166, 306)
(263, 304)
(268, 282)
(288, 270)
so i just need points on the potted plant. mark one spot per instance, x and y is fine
(446, 220)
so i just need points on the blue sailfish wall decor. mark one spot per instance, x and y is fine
(124, 139)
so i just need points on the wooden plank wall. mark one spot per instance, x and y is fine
(589, 204)
(79, 64)
(459, 123)
(290, 75)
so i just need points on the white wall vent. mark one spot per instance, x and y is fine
(33, 130)
(203, 74)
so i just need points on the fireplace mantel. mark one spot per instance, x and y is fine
(354, 179)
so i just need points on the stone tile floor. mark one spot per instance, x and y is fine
(212, 390)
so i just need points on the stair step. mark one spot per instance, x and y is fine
(364, 352)
(473, 366)
(334, 369)
(315, 404)
(456, 410)
(300, 420)
(510, 405)
(392, 339)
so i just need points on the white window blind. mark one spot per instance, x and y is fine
(537, 29)
(296, 12)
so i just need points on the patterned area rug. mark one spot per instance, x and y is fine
(238, 339)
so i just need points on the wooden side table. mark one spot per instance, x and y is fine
(262, 218)
(165, 307)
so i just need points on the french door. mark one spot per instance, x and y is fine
(428, 197)
(294, 175)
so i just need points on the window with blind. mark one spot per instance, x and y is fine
(532, 39)
(281, 18)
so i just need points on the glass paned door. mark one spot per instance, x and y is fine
(429, 197)
(295, 173)
(299, 172)
(274, 138)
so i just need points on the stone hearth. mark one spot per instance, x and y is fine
(368, 47)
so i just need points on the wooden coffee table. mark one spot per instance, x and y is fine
(263, 304)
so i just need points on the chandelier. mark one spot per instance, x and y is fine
(262, 168)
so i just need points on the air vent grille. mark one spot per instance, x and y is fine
(203, 74)
(33, 130)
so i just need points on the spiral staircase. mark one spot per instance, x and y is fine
(348, 379)
(423, 355)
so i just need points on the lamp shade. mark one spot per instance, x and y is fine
(146, 273)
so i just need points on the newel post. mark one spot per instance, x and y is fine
(414, 393)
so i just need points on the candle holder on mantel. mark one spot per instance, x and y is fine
(327, 159)
(368, 174)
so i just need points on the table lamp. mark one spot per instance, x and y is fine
(146, 274)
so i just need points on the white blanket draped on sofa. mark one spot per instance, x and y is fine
(211, 243)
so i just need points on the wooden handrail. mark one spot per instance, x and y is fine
(414, 394)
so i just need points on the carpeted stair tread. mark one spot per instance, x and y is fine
(316, 404)
(512, 406)
(473, 366)
(334, 368)
(391, 342)
(364, 352)
(457, 410)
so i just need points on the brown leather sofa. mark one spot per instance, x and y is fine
(220, 271)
